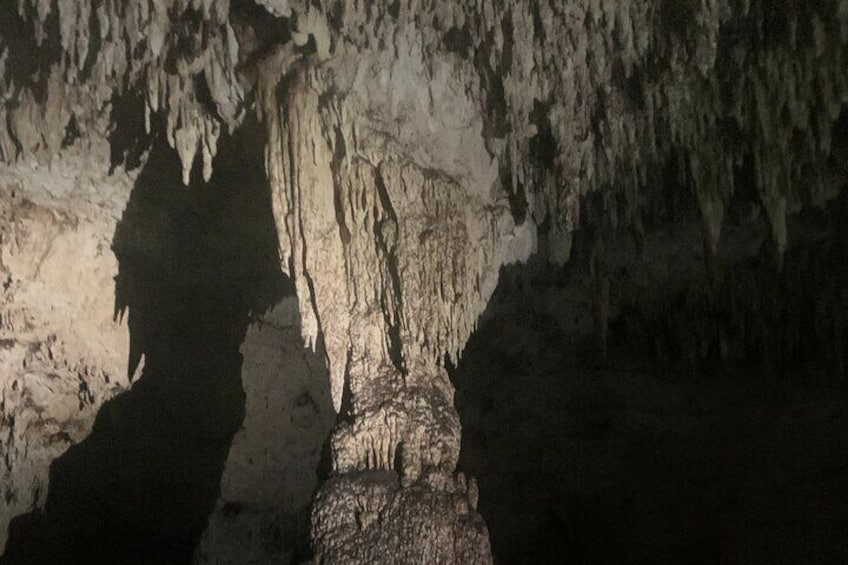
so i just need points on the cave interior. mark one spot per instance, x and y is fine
(605, 240)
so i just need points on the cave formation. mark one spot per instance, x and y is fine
(290, 281)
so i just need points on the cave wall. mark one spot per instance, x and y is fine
(414, 148)
(63, 354)
(706, 427)
(272, 469)
(183, 276)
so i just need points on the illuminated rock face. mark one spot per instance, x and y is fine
(412, 149)
(270, 474)
(62, 354)
(394, 242)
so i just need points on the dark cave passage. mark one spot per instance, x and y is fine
(196, 265)
(713, 432)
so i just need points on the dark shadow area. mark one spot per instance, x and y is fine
(714, 432)
(196, 264)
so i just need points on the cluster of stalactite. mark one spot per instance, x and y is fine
(64, 64)
(581, 96)
(752, 318)
(576, 96)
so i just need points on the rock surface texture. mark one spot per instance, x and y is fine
(270, 476)
(62, 354)
(412, 148)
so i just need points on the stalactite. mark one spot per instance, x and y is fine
(616, 113)
(181, 53)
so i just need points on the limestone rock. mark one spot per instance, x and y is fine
(270, 474)
(368, 518)
(61, 353)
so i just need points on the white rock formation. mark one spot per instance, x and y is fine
(394, 244)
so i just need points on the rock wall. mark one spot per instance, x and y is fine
(63, 354)
(711, 430)
(271, 473)
(189, 269)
